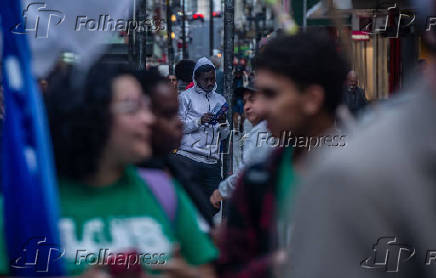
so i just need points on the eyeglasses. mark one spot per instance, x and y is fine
(131, 106)
(173, 79)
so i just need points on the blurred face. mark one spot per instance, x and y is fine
(173, 80)
(167, 128)
(352, 80)
(130, 137)
(206, 80)
(43, 85)
(253, 109)
(283, 103)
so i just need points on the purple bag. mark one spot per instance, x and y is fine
(162, 188)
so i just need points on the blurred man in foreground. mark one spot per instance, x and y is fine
(299, 106)
(370, 211)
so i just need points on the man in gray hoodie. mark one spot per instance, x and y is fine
(203, 130)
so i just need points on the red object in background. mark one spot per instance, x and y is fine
(216, 14)
(180, 44)
(360, 36)
(198, 16)
(190, 85)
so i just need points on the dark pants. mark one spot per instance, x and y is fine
(206, 176)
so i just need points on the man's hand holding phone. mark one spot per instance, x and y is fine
(206, 118)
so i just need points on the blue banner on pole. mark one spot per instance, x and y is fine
(31, 205)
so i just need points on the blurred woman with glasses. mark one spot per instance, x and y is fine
(112, 221)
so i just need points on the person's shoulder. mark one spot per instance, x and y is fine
(261, 127)
(219, 97)
(371, 154)
(186, 94)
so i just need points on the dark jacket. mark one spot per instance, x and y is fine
(355, 100)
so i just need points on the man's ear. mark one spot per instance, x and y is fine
(313, 99)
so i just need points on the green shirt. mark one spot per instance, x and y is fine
(286, 184)
(124, 217)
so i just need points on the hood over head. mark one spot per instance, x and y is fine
(201, 62)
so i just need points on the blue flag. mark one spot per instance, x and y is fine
(31, 205)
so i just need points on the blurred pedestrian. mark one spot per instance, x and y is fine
(238, 78)
(421, 66)
(369, 211)
(204, 127)
(238, 108)
(99, 131)
(173, 80)
(238, 127)
(42, 84)
(219, 75)
(183, 71)
(354, 96)
(253, 150)
(299, 109)
(167, 132)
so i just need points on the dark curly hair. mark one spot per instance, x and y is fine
(80, 118)
(307, 58)
(183, 70)
(150, 79)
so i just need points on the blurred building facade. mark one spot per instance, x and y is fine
(383, 50)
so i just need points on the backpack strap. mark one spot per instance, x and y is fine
(162, 188)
